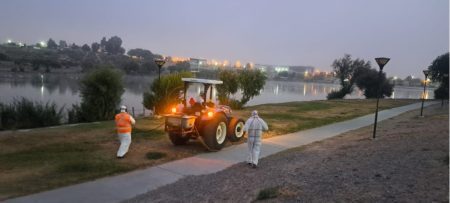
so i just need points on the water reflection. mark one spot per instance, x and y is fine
(64, 90)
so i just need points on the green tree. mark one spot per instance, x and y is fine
(95, 47)
(439, 73)
(131, 67)
(86, 48)
(113, 45)
(89, 62)
(369, 80)
(346, 70)
(103, 43)
(145, 54)
(164, 93)
(51, 44)
(230, 85)
(62, 44)
(101, 92)
(251, 82)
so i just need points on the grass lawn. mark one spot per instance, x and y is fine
(42, 159)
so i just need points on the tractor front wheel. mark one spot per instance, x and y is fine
(236, 129)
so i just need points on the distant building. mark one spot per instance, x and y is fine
(196, 64)
(301, 69)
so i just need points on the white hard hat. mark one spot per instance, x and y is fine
(123, 107)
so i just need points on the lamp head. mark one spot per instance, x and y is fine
(426, 72)
(160, 62)
(382, 61)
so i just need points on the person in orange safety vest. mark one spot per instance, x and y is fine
(124, 122)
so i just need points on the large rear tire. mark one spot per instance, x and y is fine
(177, 139)
(214, 133)
(235, 129)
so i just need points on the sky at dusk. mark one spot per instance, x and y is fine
(280, 32)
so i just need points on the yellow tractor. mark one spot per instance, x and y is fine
(200, 116)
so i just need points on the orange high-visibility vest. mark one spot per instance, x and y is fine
(123, 123)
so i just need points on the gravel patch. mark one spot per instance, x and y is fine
(408, 162)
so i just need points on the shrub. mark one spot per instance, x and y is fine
(370, 81)
(155, 155)
(230, 85)
(101, 92)
(164, 93)
(251, 82)
(268, 193)
(336, 94)
(441, 92)
(24, 113)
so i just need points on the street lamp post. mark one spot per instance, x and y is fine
(382, 61)
(425, 72)
(159, 63)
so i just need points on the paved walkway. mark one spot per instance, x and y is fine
(126, 186)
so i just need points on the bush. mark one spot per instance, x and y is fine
(230, 85)
(251, 82)
(370, 80)
(268, 193)
(101, 92)
(235, 104)
(164, 93)
(155, 155)
(441, 92)
(336, 94)
(24, 113)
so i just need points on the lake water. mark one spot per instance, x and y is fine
(64, 90)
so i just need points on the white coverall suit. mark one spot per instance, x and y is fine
(254, 127)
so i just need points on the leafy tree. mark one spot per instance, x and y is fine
(164, 93)
(145, 54)
(251, 83)
(89, 62)
(230, 85)
(86, 48)
(62, 44)
(149, 66)
(347, 71)
(131, 67)
(103, 43)
(51, 44)
(74, 46)
(101, 92)
(113, 45)
(95, 47)
(369, 80)
(439, 73)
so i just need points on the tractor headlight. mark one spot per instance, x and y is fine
(210, 114)
(174, 110)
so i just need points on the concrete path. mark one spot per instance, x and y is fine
(126, 186)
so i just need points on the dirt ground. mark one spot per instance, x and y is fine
(408, 162)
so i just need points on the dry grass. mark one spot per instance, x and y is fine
(42, 159)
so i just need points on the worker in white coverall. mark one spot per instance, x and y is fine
(254, 127)
(124, 122)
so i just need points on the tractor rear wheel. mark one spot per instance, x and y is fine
(178, 139)
(214, 133)
(236, 129)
